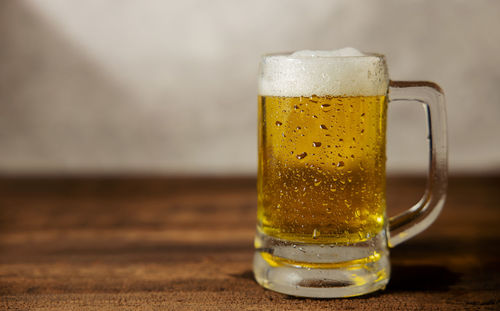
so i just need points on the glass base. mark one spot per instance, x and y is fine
(321, 270)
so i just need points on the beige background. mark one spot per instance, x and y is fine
(170, 86)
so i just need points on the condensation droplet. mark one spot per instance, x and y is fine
(325, 105)
(347, 203)
(278, 123)
(302, 155)
(340, 164)
(316, 144)
(316, 233)
(323, 126)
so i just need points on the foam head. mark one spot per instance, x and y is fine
(343, 72)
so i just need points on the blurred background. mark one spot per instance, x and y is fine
(169, 87)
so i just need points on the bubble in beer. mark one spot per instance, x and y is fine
(302, 155)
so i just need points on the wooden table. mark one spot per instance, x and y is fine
(151, 243)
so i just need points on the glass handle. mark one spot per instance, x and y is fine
(415, 220)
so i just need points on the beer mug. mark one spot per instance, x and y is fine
(322, 229)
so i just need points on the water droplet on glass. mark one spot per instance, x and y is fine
(316, 144)
(325, 105)
(317, 183)
(302, 155)
(278, 123)
(340, 164)
(347, 203)
(315, 234)
(323, 126)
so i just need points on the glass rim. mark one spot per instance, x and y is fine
(287, 55)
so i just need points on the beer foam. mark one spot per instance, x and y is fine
(343, 72)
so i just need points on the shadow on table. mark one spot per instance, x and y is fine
(421, 278)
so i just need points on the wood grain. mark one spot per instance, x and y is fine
(148, 243)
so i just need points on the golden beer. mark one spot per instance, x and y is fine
(321, 175)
